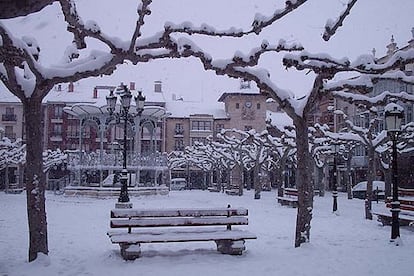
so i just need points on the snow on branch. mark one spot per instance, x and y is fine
(11, 152)
(260, 22)
(332, 26)
(53, 158)
(368, 101)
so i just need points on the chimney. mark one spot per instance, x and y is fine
(392, 47)
(95, 93)
(158, 86)
(70, 87)
(244, 84)
(132, 85)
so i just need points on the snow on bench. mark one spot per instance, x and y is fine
(406, 215)
(290, 197)
(179, 225)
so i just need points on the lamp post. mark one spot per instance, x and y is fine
(335, 179)
(394, 115)
(124, 115)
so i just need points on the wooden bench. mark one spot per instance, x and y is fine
(406, 215)
(289, 198)
(179, 225)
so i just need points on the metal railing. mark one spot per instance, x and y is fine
(79, 160)
(8, 117)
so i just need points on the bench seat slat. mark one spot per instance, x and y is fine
(405, 215)
(125, 213)
(287, 198)
(180, 236)
(177, 221)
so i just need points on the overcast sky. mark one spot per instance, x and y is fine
(370, 25)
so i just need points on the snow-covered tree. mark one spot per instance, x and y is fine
(11, 153)
(25, 76)
(53, 158)
(369, 134)
(282, 140)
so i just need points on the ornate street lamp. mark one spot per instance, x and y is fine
(124, 115)
(394, 115)
(335, 179)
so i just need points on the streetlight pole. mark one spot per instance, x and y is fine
(335, 188)
(124, 115)
(394, 115)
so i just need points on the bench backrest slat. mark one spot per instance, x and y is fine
(135, 213)
(405, 192)
(177, 221)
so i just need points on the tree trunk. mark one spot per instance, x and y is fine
(388, 181)
(240, 181)
(6, 182)
(303, 184)
(321, 180)
(256, 182)
(349, 176)
(280, 176)
(35, 179)
(370, 179)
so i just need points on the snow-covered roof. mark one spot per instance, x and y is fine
(82, 93)
(253, 91)
(183, 109)
(8, 97)
(94, 109)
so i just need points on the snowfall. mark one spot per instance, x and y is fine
(341, 244)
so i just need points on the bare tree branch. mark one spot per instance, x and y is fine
(258, 24)
(15, 8)
(331, 26)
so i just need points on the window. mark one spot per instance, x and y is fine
(9, 115)
(179, 144)
(237, 105)
(219, 127)
(201, 125)
(8, 132)
(179, 128)
(73, 131)
(57, 130)
(9, 110)
(58, 111)
(258, 105)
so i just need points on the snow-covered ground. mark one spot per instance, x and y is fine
(344, 244)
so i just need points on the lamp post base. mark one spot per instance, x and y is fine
(397, 241)
(335, 201)
(123, 205)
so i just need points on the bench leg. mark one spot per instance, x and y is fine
(130, 251)
(230, 247)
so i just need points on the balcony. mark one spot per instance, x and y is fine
(57, 120)
(9, 117)
(56, 137)
(179, 132)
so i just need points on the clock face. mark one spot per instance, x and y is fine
(248, 104)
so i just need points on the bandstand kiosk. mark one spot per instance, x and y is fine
(148, 172)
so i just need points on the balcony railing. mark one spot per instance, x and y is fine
(95, 160)
(179, 131)
(9, 117)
